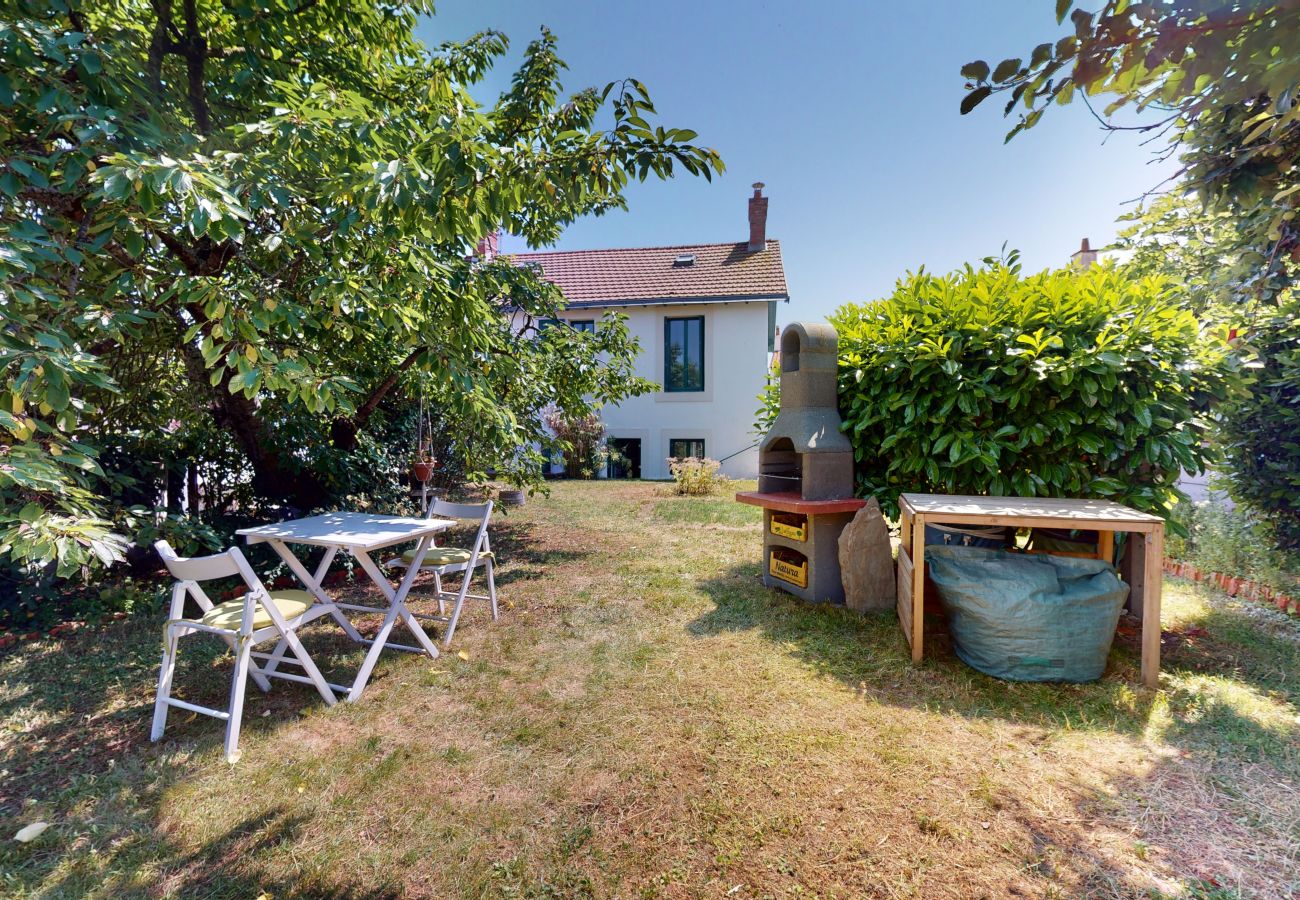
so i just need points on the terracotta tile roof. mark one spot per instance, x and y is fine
(653, 275)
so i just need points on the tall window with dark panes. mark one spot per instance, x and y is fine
(684, 354)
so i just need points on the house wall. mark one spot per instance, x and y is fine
(735, 366)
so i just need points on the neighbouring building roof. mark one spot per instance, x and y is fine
(644, 275)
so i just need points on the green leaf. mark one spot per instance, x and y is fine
(974, 98)
(1006, 70)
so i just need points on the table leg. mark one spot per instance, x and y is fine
(396, 609)
(1106, 546)
(1153, 569)
(918, 587)
(313, 582)
(398, 597)
(323, 567)
(372, 655)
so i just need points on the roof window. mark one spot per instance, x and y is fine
(684, 259)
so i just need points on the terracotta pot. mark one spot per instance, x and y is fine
(422, 471)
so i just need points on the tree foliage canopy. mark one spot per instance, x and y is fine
(257, 217)
(1220, 81)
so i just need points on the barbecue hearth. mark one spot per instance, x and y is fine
(805, 464)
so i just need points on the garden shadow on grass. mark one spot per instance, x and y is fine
(869, 654)
(206, 871)
(89, 697)
(88, 759)
(94, 703)
(520, 554)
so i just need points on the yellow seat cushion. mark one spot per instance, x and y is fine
(231, 613)
(443, 556)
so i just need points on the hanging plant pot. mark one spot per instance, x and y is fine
(422, 471)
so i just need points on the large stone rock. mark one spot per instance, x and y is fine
(866, 561)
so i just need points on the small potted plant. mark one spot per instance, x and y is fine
(423, 465)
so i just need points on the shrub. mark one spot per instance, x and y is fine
(1260, 430)
(1065, 383)
(695, 476)
(583, 439)
(1232, 540)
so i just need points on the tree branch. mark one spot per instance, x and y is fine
(195, 51)
(344, 431)
(160, 45)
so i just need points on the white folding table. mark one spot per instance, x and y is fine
(359, 534)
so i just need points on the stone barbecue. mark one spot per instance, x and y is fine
(805, 471)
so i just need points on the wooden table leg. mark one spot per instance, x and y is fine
(1106, 546)
(918, 587)
(1153, 571)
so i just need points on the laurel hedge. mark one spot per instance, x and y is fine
(1063, 383)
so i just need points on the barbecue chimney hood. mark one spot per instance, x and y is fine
(805, 453)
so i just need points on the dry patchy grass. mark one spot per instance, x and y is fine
(648, 721)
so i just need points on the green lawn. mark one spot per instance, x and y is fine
(647, 720)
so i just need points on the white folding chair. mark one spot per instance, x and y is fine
(443, 561)
(258, 616)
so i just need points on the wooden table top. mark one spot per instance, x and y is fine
(974, 510)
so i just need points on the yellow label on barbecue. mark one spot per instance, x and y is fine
(788, 571)
(793, 532)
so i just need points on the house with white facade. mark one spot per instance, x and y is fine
(706, 318)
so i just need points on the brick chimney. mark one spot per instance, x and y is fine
(487, 246)
(1084, 257)
(757, 219)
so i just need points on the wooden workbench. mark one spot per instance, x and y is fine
(1102, 516)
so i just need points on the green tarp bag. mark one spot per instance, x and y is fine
(1028, 617)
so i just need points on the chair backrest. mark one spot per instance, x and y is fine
(189, 571)
(200, 568)
(480, 512)
(475, 511)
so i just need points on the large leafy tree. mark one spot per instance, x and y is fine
(258, 216)
(1219, 81)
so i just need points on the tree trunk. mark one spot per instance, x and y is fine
(275, 475)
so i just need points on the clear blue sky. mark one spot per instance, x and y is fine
(847, 111)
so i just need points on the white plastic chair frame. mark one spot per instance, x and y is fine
(189, 572)
(479, 555)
